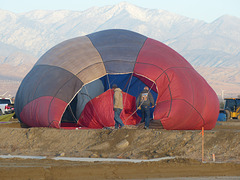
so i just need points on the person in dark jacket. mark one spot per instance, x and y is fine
(117, 106)
(144, 101)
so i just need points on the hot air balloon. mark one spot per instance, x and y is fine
(72, 83)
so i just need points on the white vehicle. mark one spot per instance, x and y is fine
(6, 106)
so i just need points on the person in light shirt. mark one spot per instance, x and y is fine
(117, 106)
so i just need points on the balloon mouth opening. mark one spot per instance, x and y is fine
(131, 84)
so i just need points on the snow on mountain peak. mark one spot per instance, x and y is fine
(7, 15)
(37, 31)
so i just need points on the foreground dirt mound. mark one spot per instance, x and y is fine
(223, 141)
(50, 170)
(130, 143)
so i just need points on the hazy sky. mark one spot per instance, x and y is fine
(207, 10)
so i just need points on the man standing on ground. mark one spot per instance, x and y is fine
(144, 100)
(117, 106)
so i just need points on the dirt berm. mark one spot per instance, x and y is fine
(223, 141)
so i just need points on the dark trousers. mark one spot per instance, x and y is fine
(145, 115)
(117, 118)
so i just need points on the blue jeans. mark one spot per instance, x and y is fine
(117, 118)
(145, 115)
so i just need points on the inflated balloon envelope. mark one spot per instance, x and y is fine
(67, 78)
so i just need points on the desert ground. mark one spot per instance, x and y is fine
(182, 151)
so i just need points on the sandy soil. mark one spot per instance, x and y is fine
(131, 143)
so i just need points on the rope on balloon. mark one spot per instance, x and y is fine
(139, 104)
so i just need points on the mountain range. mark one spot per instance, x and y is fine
(212, 48)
